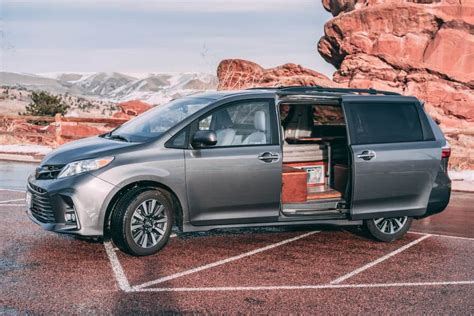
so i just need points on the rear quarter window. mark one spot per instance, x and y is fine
(376, 123)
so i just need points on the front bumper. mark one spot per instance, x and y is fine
(74, 205)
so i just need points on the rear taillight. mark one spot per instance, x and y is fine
(446, 152)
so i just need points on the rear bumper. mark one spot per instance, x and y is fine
(440, 195)
(70, 205)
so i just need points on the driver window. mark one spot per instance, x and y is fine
(240, 124)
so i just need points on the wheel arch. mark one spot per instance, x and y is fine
(140, 186)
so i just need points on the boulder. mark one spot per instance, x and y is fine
(132, 108)
(77, 131)
(120, 115)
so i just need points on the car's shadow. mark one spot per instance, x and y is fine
(355, 230)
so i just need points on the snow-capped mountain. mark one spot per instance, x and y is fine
(102, 84)
(154, 88)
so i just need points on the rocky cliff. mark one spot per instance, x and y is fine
(419, 47)
(416, 47)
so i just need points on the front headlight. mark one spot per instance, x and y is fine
(77, 167)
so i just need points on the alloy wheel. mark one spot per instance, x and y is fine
(149, 223)
(390, 225)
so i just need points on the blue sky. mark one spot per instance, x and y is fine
(141, 36)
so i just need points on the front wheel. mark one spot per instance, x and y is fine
(388, 229)
(141, 224)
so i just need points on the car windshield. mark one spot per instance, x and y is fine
(158, 120)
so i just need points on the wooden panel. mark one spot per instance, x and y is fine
(304, 152)
(294, 185)
(317, 193)
(302, 164)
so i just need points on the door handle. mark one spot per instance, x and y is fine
(366, 155)
(269, 157)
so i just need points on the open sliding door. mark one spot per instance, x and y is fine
(394, 154)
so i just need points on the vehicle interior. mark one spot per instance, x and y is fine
(242, 124)
(316, 163)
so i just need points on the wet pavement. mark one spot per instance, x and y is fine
(273, 270)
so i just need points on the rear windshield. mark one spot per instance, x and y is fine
(376, 123)
(159, 119)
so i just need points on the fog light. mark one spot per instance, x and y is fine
(70, 217)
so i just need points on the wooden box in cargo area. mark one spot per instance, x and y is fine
(294, 185)
(304, 152)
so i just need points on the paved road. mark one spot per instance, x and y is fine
(307, 270)
(13, 175)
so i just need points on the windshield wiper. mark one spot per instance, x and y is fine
(118, 137)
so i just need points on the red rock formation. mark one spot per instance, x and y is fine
(21, 132)
(132, 108)
(419, 47)
(72, 131)
(234, 74)
(120, 115)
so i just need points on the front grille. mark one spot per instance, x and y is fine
(48, 172)
(40, 205)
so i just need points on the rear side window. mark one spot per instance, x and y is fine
(376, 123)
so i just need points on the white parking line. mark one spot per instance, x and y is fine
(12, 205)
(443, 236)
(221, 262)
(379, 260)
(303, 287)
(15, 200)
(126, 287)
(117, 267)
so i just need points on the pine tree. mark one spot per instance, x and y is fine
(45, 104)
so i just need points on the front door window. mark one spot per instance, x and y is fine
(242, 123)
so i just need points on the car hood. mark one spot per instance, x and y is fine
(86, 148)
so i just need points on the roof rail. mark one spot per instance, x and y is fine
(287, 90)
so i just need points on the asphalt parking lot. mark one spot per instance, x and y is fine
(306, 270)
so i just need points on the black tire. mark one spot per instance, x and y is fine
(376, 229)
(134, 204)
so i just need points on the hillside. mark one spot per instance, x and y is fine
(97, 92)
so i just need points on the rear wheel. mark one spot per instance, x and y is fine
(142, 222)
(388, 229)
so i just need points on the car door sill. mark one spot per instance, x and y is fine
(319, 216)
(323, 209)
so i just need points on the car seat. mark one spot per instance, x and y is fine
(223, 127)
(259, 136)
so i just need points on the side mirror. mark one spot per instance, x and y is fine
(204, 138)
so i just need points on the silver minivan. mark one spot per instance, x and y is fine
(258, 157)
